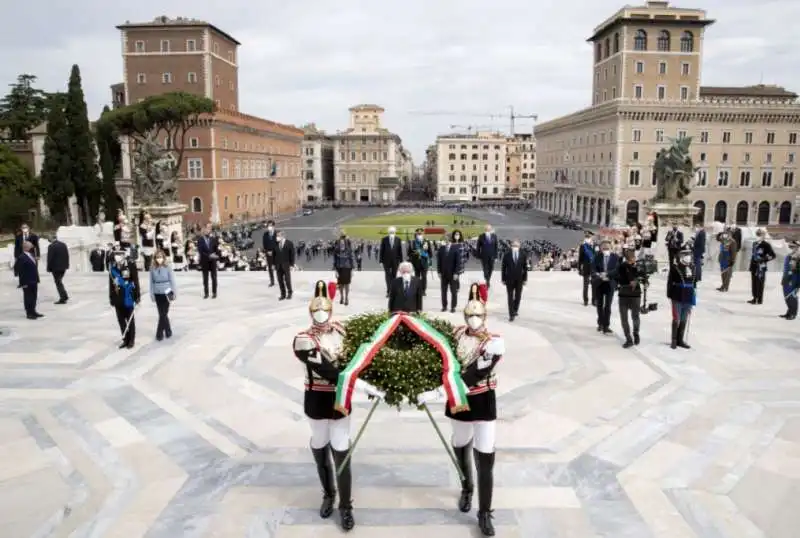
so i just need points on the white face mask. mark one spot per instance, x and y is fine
(406, 277)
(391, 234)
(587, 240)
(159, 260)
(118, 258)
(606, 252)
(320, 316)
(515, 250)
(686, 260)
(474, 322)
(270, 228)
(456, 237)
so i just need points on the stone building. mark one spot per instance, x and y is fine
(521, 166)
(236, 166)
(368, 158)
(317, 164)
(596, 165)
(471, 167)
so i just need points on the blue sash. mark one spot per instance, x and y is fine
(724, 258)
(689, 285)
(126, 287)
(588, 251)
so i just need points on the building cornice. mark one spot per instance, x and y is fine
(701, 110)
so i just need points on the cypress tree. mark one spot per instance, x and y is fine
(109, 150)
(55, 177)
(83, 159)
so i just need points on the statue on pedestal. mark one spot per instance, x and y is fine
(674, 172)
(155, 174)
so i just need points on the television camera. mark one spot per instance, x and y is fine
(646, 266)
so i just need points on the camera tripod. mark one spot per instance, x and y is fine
(647, 307)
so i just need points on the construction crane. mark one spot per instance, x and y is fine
(512, 116)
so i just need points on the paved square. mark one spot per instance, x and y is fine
(203, 435)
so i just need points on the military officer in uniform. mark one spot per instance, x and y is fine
(317, 348)
(478, 351)
(420, 254)
(762, 255)
(682, 293)
(790, 281)
(124, 293)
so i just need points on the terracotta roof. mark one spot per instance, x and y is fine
(178, 22)
(758, 90)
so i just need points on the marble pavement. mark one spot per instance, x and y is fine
(203, 435)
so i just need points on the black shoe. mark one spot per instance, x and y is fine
(674, 341)
(159, 337)
(61, 301)
(271, 284)
(444, 309)
(123, 345)
(282, 298)
(585, 303)
(130, 345)
(168, 333)
(751, 301)
(205, 296)
(38, 315)
(453, 310)
(628, 343)
(327, 480)
(599, 328)
(636, 340)
(784, 316)
(463, 457)
(213, 295)
(347, 302)
(346, 520)
(606, 330)
(511, 317)
(289, 296)
(485, 466)
(31, 317)
(790, 318)
(720, 289)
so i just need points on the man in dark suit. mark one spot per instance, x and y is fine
(25, 234)
(514, 271)
(390, 256)
(487, 252)
(604, 267)
(447, 267)
(268, 242)
(586, 255)
(284, 262)
(699, 251)
(405, 294)
(674, 242)
(57, 265)
(28, 274)
(208, 249)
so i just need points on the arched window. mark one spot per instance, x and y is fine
(742, 213)
(663, 40)
(785, 213)
(225, 202)
(721, 212)
(700, 216)
(608, 47)
(640, 40)
(687, 42)
(616, 42)
(197, 205)
(632, 212)
(762, 217)
(598, 52)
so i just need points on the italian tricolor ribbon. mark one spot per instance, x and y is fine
(454, 386)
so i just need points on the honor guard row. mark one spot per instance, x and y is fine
(478, 352)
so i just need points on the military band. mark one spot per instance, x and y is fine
(682, 293)
(318, 348)
(478, 351)
(124, 293)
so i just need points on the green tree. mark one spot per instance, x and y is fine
(169, 115)
(83, 172)
(55, 177)
(19, 190)
(110, 152)
(23, 108)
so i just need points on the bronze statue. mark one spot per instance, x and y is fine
(674, 171)
(155, 176)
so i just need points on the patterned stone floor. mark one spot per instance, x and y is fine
(203, 435)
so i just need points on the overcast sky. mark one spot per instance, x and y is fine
(309, 60)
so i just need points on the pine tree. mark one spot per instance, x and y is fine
(23, 108)
(55, 177)
(109, 151)
(83, 171)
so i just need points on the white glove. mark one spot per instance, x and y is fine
(495, 346)
(304, 343)
(432, 396)
(369, 390)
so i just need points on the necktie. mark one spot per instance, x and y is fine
(406, 288)
(605, 264)
(515, 258)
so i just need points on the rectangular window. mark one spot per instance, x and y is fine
(704, 137)
(225, 166)
(770, 138)
(744, 178)
(194, 142)
(139, 47)
(685, 69)
(639, 67)
(141, 78)
(195, 168)
(191, 45)
(748, 138)
(684, 93)
(793, 138)
(726, 137)
(723, 178)
(637, 135)
(191, 77)
(682, 134)
(766, 178)
(166, 78)
(662, 68)
(165, 45)
(662, 93)
(788, 179)
(702, 178)
(659, 135)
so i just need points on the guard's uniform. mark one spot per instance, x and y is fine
(790, 281)
(762, 255)
(681, 291)
(124, 293)
(318, 348)
(478, 352)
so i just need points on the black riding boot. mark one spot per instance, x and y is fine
(346, 520)
(326, 479)
(681, 334)
(463, 456)
(485, 466)
(674, 342)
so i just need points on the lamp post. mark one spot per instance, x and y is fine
(271, 189)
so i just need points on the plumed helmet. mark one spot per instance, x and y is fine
(323, 295)
(476, 304)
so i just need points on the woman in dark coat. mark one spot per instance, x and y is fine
(343, 262)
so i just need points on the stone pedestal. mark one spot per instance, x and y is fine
(80, 241)
(669, 214)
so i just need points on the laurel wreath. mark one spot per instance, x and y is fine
(406, 365)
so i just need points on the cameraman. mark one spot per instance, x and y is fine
(629, 292)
